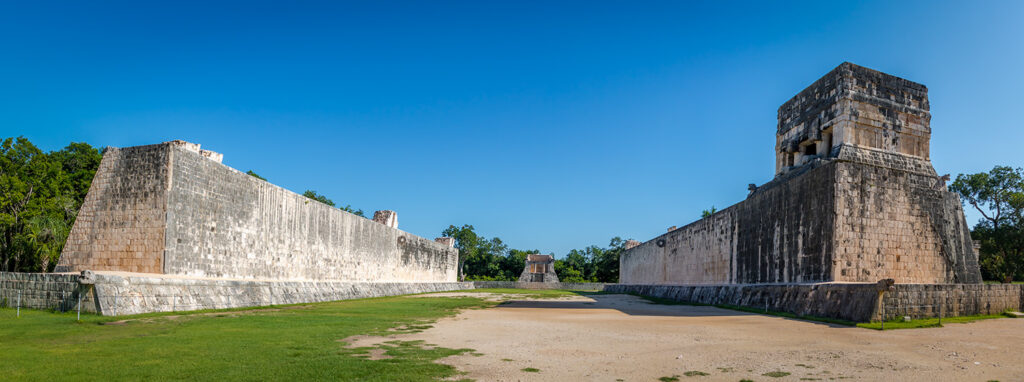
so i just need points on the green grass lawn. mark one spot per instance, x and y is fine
(280, 343)
(928, 322)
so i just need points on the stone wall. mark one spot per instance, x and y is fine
(894, 222)
(56, 291)
(224, 223)
(115, 294)
(857, 302)
(133, 294)
(121, 223)
(775, 235)
(949, 300)
(852, 302)
(174, 209)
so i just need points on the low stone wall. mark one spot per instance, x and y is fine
(858, 302)
(852, 302)
(57, 291)
(948, 300)
(119, 295)
(527, 285)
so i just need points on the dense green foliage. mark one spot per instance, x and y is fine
(592, 264)
(491, 259)
(299, 343)
(708, 213)
(40, 194)
(999, 196)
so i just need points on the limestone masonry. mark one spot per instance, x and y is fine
(854, 199)
(174, 209)
(539, 269)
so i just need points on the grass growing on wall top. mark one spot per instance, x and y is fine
(299, 342)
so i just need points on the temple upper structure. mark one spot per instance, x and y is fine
(857, 107)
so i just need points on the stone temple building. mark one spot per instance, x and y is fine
(854, 199)
(539, 269)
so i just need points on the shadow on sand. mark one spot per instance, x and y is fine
(638, 306)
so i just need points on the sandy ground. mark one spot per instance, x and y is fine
(620, 337)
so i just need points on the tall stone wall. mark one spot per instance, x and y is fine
(122, 221)
(224, 223)
(781, 233)
(174, 209)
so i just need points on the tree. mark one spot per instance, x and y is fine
(481, 258)
(607, 261)
(999, 196)
(40, 194)
(568, 274)
(592, 264)
(707, 213)
(257, 176)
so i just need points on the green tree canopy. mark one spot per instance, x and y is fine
(592, 264)
(40, 194)
(999, 196)
(481, 258)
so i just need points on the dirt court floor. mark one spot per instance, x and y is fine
(626, 338)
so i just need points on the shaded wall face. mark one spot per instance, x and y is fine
(224, 223)
(120, 226)
(781, 233)
(786, 230)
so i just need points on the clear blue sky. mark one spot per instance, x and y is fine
(551, 124)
